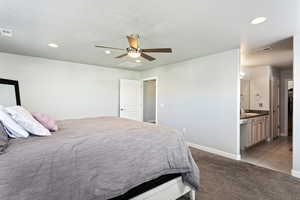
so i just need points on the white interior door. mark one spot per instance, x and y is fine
(130, 100)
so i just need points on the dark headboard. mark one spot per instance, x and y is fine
(11, 87)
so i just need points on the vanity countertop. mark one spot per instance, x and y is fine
(249, 115)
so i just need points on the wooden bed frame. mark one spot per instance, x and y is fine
(170, 190)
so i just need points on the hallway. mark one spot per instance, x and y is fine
(274, 155)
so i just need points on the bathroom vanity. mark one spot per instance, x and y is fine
(254, 118)
(254, 128)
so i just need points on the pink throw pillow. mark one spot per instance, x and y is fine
(46, 121)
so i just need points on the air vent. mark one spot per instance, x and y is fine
(264, 49)
(129, 64)
(267, 49)
(5, 32)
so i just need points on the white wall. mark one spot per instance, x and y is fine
(149, 103)
(64, 89)
(296, 117)
(202, 95)
(7, 95)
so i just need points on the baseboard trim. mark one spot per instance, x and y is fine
(215, 151)
(151, 121)
(295, 173)
(283, 134)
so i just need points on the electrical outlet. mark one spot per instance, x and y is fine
(5, 32)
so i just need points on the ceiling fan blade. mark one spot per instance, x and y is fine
(123, 55)
(147, 57)
(133, 42)
(158, 50)
(104, 47)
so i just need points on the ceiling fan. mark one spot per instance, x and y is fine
(134, 51)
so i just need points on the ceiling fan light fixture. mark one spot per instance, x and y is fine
(134, 54)
(134, 51)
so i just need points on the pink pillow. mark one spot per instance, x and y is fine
(46, 121)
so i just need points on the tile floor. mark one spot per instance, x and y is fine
(275, 155)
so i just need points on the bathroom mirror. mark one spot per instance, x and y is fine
(245, 94)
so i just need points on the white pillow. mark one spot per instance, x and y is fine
(14, 130)
(26, 120)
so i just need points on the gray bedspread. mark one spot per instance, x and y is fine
(93, 159)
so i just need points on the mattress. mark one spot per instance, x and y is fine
(92, 159)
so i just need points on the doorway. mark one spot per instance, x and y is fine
(150, 100)
(266, 125)
(264, 141)
(130, 99)
(290, 106)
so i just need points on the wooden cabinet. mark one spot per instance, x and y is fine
(253, 132)
(268, 128)
(257, 131)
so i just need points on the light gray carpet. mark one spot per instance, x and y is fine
(227, 179)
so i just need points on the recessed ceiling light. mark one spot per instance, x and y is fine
(258, 20)
(53, 45)
(138, 61)
(108, 52)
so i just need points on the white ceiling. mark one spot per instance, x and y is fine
(278, 54)
(191, 27)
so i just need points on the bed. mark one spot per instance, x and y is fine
(99, 158)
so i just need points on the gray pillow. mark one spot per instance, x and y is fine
(3, 138)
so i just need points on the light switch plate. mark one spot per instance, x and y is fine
(6, 32)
